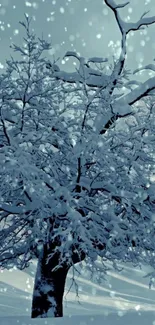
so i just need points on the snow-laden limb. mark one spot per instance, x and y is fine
(94, 78)
(89, 76)
(95, 59)
(12, 209)
(112, 4)
(72, 54)
(19, 210)
(140, 23)
(139, 92)
(131, 83)
(79, 58)
(85, 74)
(146, 67)
(126, 27)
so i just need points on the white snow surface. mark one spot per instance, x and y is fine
(124, 298)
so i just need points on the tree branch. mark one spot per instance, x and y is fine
(125, 28)
(131, 98)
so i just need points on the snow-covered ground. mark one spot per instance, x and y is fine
(124, 299)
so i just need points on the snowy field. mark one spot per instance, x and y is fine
(124, 299)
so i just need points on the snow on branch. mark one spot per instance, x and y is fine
(84, 73)
(81, 59)
(94, 77)
(113, 5)
(97, 60)
(138, 93)
(90, 77)
(125, 28)
(146, 67)
(13, 209)
(122, 106)
(141, 22)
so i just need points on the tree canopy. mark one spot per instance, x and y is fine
(77, 157)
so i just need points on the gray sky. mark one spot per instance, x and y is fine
(86, 26)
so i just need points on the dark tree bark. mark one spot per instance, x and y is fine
(50, 284)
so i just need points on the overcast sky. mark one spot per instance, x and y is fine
(86, 26)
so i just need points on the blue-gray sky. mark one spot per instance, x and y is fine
(86, 26)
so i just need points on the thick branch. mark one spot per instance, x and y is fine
(78, 187)
(5, 132)
(94, 78)
(131, 98)
(141, 22)
(91, 79)
(121, 61)
(138, 93)
(15, 209)
(126, 27)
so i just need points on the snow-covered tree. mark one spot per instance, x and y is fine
(77, 164)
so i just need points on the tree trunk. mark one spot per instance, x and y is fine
(49, 285)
